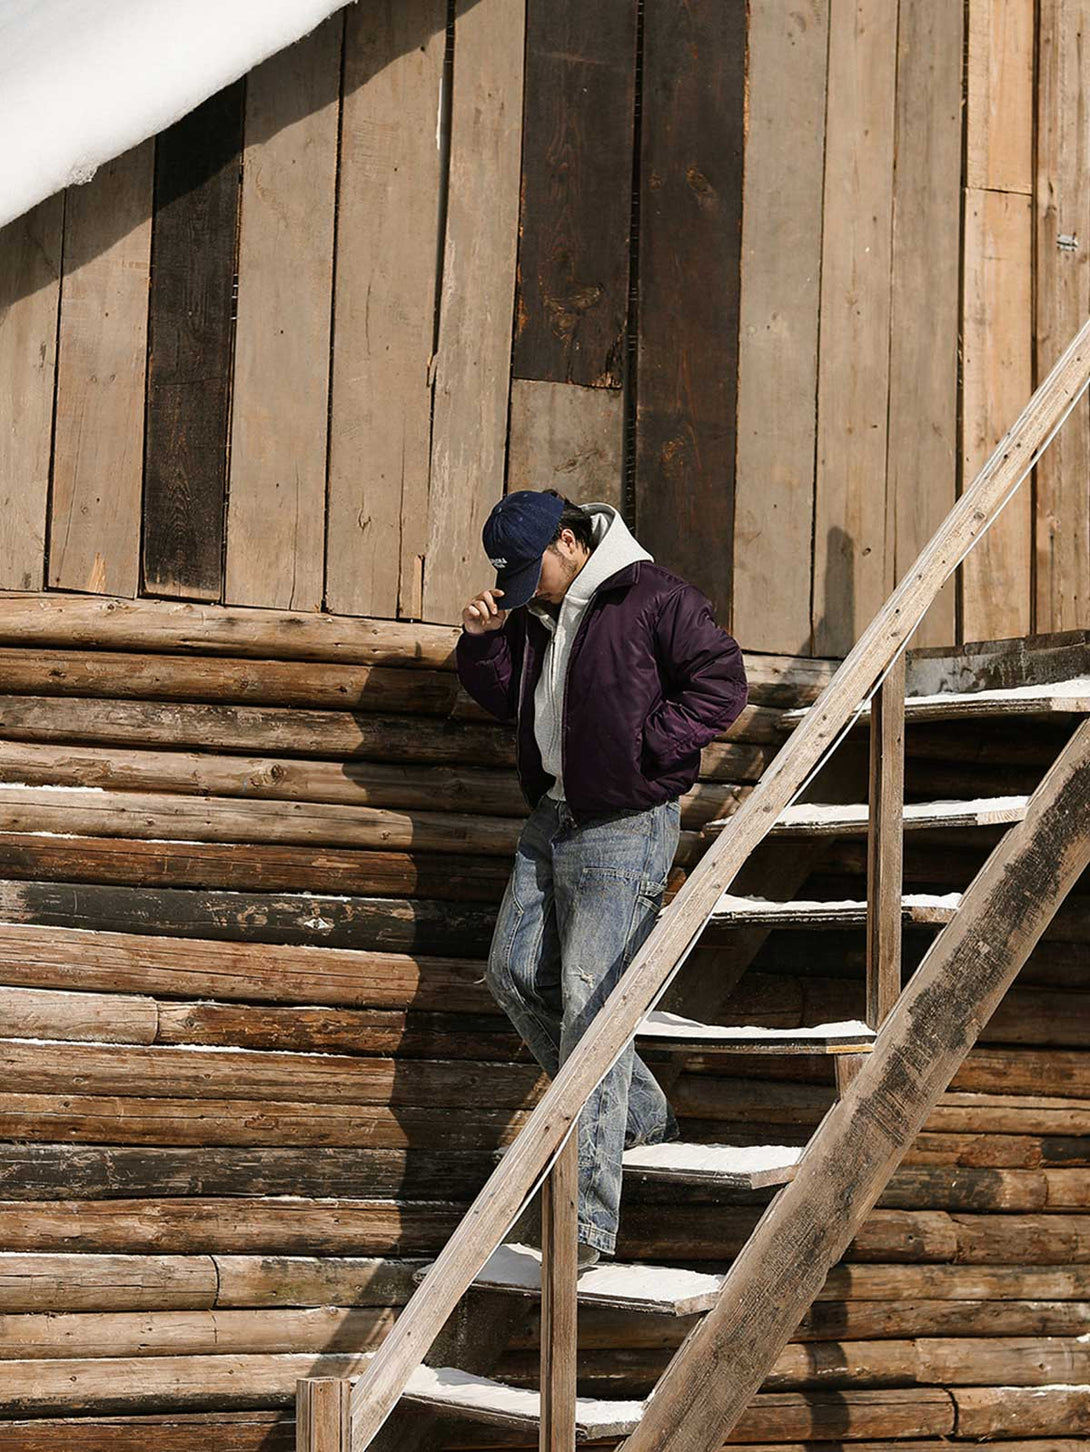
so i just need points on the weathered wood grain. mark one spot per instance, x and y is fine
(999, 95)
(280, 390)
(691, 144)
(926, 245)
(476, 314)
(1061, 299)
(853, 563)
(94, 526)
(30, 272)
(578, 116)
(389, 214)
(566, 437)
(997, 358)
(778, 328)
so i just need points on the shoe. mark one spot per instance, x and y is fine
(588, 1255)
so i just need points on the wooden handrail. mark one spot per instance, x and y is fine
(674, 935)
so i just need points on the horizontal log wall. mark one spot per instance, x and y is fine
(249, 867)
(441, 249)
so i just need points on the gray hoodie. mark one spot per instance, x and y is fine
(615, 546)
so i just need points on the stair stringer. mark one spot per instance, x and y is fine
(860, 1142)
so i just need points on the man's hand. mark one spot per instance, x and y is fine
(482, 614)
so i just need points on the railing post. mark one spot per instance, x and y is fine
(559, 1270)
(885, 844)
(321, 1414)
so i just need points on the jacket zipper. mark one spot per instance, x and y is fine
(580, 632)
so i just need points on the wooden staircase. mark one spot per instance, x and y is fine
(891, 1065)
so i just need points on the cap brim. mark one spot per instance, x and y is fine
(518, 586)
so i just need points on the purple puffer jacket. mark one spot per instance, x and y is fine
(651, 679)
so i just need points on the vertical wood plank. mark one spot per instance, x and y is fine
(321, 1414)
(1062, 524)
(997, 381)
(852, 555)
(576, 191)
(94, 528)
(30, 269)
(885, 844)
(692, 130)
(384, 307)
(189, 354)
(280, 402)
(999, 97)
(568, 438)
(923, 388)
(559, 1296)
(777, 359)
(473, 367)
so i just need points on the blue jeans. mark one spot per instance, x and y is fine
(579, 903)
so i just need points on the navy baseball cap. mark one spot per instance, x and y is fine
(515, 536)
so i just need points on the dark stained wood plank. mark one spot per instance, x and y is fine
(94, 524)
(30, 273)
(100, 1172)
(689, 268)
(261, 868)
(577, 139)
(385, 923)
(190, 331)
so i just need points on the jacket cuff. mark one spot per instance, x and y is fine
(479, 647)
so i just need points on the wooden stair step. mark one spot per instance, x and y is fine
(485, 1400)
(1037, 700)
(818, 819)
(730, 1167)
(661, 1289)
(916, 907)
(662, 1030)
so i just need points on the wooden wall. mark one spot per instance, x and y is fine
(773, 279)
(249, 869)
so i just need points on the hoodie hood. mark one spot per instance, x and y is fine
(614, 547)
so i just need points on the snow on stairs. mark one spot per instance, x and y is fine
(654, 1289)
(1056, 697)
(685, 1035)
(492, 1402)
(930, 908)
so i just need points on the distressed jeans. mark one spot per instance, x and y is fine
(580, 901)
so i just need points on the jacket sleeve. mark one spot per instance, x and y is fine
(706, 678)
(488, 668)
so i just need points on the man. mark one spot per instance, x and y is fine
(616, 675)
